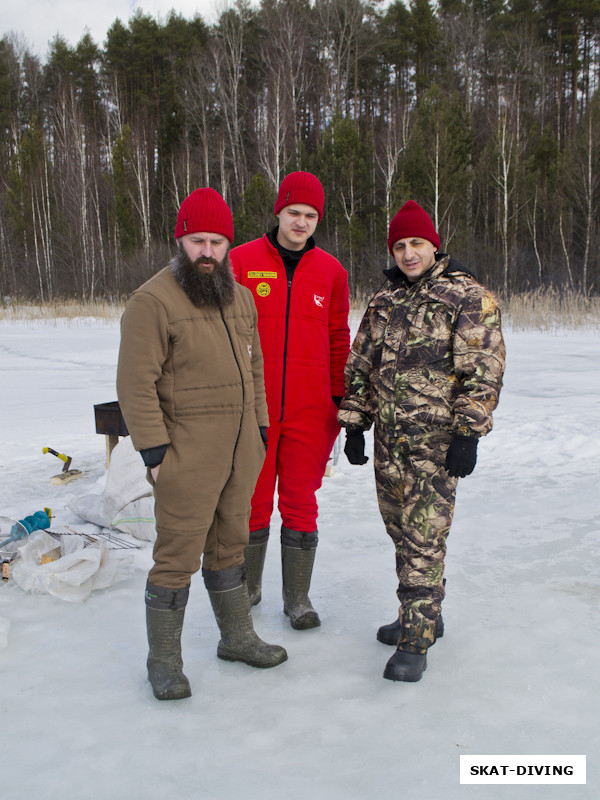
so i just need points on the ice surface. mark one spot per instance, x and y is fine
(516, 672)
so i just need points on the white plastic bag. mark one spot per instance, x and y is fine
(76, 570)
(127, 502)
(137, 518)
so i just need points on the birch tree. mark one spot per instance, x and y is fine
(226, 77)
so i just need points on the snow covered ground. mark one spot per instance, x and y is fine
(516, 673)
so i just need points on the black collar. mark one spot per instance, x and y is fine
(289, 256)
(395, 275)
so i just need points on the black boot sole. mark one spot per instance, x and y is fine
(224, 656)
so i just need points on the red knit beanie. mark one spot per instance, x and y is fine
(300, 187)
(204, 210)
(412, 220)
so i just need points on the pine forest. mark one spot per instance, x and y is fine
(487, 112)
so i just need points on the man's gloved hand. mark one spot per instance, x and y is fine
(355, 446)
(461, 456)
(263, 434)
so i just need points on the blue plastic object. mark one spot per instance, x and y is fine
(37, 521)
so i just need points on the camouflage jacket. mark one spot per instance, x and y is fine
(428, 354)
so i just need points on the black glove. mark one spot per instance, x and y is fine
(355, 446)
(461, 456)
(263, 434)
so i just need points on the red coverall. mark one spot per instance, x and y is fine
(305, 339)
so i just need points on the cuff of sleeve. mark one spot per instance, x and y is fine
(153, 456)
(353, 430)
(465, 432)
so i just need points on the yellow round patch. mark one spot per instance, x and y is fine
(263, 289)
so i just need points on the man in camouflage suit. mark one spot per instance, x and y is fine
(426, 369)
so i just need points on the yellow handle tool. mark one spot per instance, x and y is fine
(62, 456)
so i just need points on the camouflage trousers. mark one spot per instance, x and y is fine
(416, 500)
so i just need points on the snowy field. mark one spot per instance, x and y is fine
(516, 673)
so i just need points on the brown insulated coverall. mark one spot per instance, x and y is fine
(193, 378)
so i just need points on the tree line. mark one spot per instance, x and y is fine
(487, 112)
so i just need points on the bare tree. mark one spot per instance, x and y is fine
(532, 226)
(198, 96)
(341, 21)
(565, 249)
(141, 172)
(581, 184)
(285, 56)
(73, 167)
(503, 181)
(226, 77)
(271, 131)
(390, 145)
(463, 38)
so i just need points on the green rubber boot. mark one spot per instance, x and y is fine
(254, 555)
(231, 606)
(165, 609)
(297, 560)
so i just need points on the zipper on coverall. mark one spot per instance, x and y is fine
(285, 342)
(243, 389)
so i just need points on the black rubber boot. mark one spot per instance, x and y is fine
(231, 604)
(165, 609)
(405, 666)
(254, 556)
(297, 560)
(390, 634)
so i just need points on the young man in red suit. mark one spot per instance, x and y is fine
(301, 294)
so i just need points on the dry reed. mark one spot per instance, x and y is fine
(550, 309)
(542, 310)
(61, 311)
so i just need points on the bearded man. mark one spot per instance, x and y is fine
(191, 389)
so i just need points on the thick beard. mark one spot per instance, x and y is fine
(215, 289)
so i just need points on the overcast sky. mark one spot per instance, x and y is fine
(39, 21)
